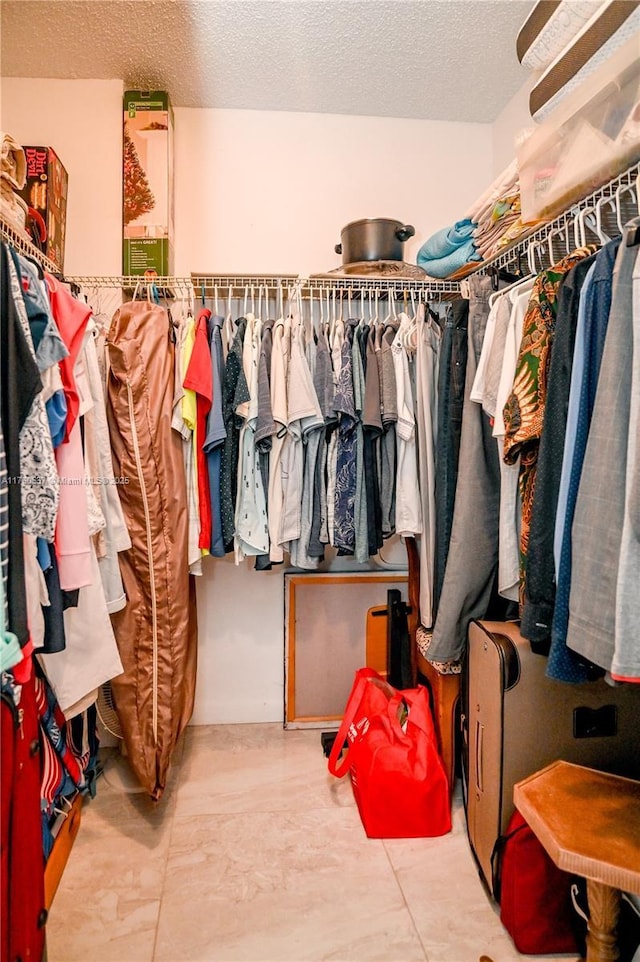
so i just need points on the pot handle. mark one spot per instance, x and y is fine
(404, 233)
(338, 248)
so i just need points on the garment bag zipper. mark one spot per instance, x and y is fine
(152, 576)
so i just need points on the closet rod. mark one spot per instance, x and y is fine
(540, 235)
(26, 247)
(240, 283)
(130, 282)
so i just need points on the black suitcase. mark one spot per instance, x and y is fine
(515, 721)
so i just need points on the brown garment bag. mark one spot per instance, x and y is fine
(156, 631)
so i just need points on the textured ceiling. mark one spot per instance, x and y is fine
(434, 59)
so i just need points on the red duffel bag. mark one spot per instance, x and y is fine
(398, 778)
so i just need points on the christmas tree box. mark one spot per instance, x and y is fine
(45, 191)
(147, 182)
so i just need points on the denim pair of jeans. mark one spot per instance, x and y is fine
(472, 558)
(451, 380)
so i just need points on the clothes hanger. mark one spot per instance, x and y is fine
(634, 190)
(520, 282)
(604, 237)
(320, 328)
(563, 232)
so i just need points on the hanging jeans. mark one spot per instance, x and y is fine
(473, 550)
(451, 379)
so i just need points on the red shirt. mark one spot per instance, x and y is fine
(71, 317)
(199, 378)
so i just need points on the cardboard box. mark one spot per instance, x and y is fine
(45, 191)
(147, 183)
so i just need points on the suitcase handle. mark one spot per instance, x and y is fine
(479, 756)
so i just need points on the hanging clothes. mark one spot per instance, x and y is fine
(234, 393)
(597, 527)
(361, 550)
(20, 383)
(593, 319)
(22, 912)
(372, 432)
(280, 354)
(539, 586)
(185, 415)
(525, 406)
(345, 479)
(155, 634)
(408, 511)
(324, 384)
(251, 528)
(510, 525)
(216, 434)
(626, 654)
(311, 426)
(427, 356)
(385, 335)
(473, 547)
(115, 537)
(265, 425)
(452, 367)
(198, 378)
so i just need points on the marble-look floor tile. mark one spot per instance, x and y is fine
(281, 886)
(256, 854)
(106, 908)
(245, 768)
(103, 927)
(455, 917)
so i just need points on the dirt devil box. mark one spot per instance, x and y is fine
(45, 191)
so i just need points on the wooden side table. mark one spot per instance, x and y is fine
(589, 823)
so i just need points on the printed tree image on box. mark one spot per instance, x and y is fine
(147, 174)
(138, 198)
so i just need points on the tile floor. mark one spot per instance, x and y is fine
(257, 853)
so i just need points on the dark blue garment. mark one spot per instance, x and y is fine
(564, 664)
(234, 393)
(539, 588)
(53, 613)
(346, 481)
(451, 380)
(214, 460)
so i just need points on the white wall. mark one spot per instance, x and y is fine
(255, 192)
(82, 121)
(269, 192)
(507, 127)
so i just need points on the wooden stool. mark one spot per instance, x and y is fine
(589, 823)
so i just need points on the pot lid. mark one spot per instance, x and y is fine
(373, 269)
(373, 220)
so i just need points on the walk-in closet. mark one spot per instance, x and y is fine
(319, 480)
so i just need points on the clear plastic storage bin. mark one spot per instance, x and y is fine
(596, 138)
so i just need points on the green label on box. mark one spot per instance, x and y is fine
(149, 254)
(145, 100)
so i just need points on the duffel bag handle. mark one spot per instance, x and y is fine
(350, 712)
